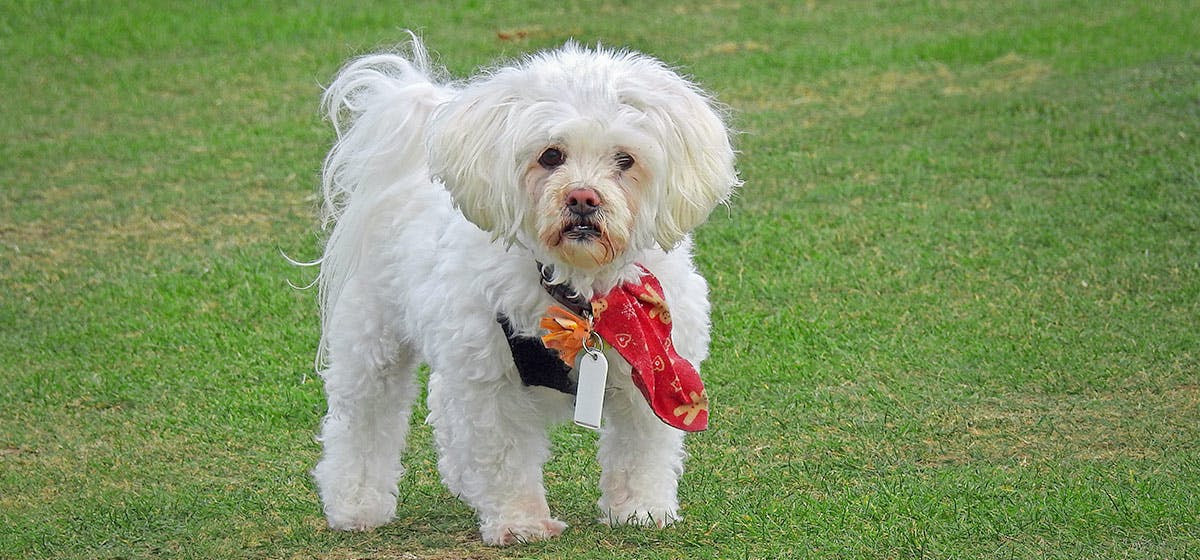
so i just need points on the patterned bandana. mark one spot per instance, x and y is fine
(633, 318)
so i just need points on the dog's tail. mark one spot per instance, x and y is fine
(379, 106)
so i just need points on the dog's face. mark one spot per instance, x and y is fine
(583, 156)
(586, 197)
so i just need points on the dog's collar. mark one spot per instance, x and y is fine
(564, 293)
(537, 365)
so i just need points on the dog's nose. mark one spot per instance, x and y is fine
(583, 202)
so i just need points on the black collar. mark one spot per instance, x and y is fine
(564, 293)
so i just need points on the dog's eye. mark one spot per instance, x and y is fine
(552, 157)
(624, 161)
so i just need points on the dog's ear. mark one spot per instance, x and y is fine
(472, 152)
(698, 172)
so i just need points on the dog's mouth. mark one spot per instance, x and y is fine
(584, 242)
(582, 231)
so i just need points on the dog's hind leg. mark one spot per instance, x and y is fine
(363, 436)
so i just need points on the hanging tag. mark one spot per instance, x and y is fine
(589, 398)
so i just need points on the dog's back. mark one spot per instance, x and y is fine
(379, 106)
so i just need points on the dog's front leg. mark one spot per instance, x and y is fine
(641, 460)
(492, 443)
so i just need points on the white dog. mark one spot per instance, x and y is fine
(462, 212)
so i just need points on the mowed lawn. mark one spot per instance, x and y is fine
(956, 305)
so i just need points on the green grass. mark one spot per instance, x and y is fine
(956, 306)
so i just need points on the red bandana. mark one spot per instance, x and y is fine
(633, 318)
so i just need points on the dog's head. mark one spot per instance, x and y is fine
(583, 155)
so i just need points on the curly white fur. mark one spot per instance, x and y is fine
(441, 199)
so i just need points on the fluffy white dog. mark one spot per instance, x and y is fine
(461, 212)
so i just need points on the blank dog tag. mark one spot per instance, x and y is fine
(589, 398)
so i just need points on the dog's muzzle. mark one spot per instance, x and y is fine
(582, 206)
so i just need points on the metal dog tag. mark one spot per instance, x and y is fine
(589, 398)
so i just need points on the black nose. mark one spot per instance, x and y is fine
(583, 202)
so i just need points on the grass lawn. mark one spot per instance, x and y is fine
(956, 306)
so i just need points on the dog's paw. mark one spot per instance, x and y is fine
(505, 533)
(641, 517)
(363, 510)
